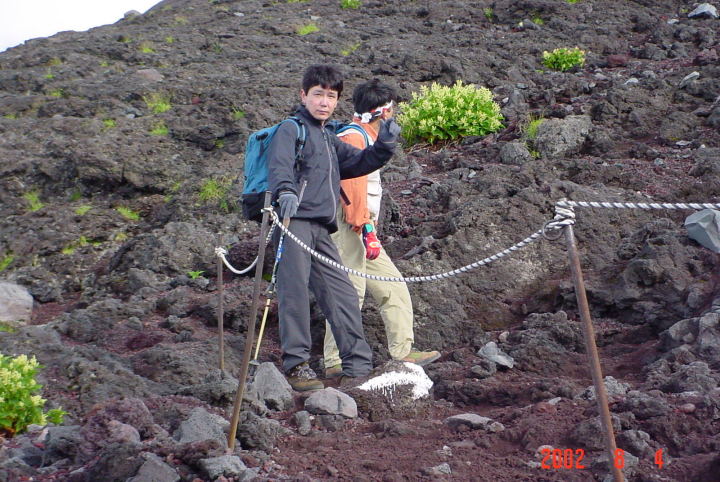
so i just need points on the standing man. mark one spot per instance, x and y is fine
(325, 160)
(356, 236)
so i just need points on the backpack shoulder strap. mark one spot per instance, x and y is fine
(357, 128)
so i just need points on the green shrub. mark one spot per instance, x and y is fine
(6, 260)
(532, 128)
(353, 4)
(352, 48)
(443, 113)
(128, 213)
(237, 114)
(109, 124)
(158, 102)
(12, 115)
(572, 1)
(488, 12)
(169, 39)
(159, 129)
(19, 405)
(563, 59)
(146, 48)
(195, 274)
(82, 210)
(33, 198)
(216, 191)
(306, 29)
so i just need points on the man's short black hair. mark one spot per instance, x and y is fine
(326, 76)
(371, 95)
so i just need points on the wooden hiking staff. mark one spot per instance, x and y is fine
(594, 358)
(250, 336)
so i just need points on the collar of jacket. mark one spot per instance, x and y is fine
(305, 115)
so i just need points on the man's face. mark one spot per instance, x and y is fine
(320, 102)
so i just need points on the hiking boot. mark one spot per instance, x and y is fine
(333, 371)
(302, 378)
(421, 358)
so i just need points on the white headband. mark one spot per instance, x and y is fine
(366, 117)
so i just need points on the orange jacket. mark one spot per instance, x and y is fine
(356, 189)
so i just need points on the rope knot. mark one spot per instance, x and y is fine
(220, 252)
(564, 216)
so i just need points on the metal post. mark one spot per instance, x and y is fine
(221, 311)
(591, 348)
(250, 336)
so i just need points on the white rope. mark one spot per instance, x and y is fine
(564, 216)
(220, 252)
(555, 224)
(626, 205)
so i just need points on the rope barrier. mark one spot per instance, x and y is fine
(564, 216)
(625, 205)
(557, 223)
(220, 252)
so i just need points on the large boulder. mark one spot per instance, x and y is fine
(16, 303)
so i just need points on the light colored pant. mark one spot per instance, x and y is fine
(393, 298)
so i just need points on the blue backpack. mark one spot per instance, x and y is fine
(256, 169)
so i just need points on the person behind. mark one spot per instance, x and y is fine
(357, 241)
(325, 160)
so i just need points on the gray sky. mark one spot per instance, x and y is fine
(22, 20)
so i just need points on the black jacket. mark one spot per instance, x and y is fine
(326, 160)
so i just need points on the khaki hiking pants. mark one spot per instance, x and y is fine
(393, 298)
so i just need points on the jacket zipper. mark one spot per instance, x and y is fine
(332, 192)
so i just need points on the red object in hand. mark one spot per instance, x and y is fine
(371, 242)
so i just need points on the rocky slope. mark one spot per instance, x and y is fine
(109, 208)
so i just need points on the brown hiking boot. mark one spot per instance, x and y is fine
(421, 358)
(333, 371)
(302, 378)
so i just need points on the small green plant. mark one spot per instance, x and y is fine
(128, 213)
(537, 20)
(440, 113)
(195, 274)
(33, 198)
(54, 62)
(352, 48)
(571, 1)
(181, 20)
(563, 58)
(353, 4)
(488, 12)
(216, 191)
(75, 196)
(159, 129)
(158, 102)
(307, 29)
(79, 243)
(57, 93)
(109, 124)
(12, 115)
(20, 406)
(104, 63)
(532, 128)
(82, 210)
(124, 39)
(49, 75)
(169, 39)
(7, 327)
(120, 237)
(237, 114)
(6, 260)
(217, 48)
(219, 143)
(146, 48)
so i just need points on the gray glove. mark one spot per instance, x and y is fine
(389, 131)
(288, 202)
